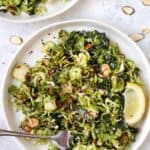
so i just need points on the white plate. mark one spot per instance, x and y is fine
(128, 47)
(53, 9)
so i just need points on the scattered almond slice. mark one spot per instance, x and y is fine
(136, 36)
(128, 10)
(146, 30)
(146, 2)
(16, 40)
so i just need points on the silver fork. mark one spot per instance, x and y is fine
(61, 139)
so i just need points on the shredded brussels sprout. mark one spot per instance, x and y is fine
(78, 86)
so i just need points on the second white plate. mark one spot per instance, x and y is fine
(54, 9)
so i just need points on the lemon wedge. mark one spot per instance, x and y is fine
(134, 103)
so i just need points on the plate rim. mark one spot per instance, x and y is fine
(41, 18)
(73, 21)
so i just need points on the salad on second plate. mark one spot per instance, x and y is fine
(30, 7)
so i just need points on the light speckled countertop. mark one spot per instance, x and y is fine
(108, 11)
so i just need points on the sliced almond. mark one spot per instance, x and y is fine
(16, 40)
(99, 142)
(33, 122)
(105, 70)
(93, 114)
(136, 36)
(27, 129)
(146, 30)
(146, 2)
(128, 10)
(102, 91)
(30, 123)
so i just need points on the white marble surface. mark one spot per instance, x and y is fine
(108, 11)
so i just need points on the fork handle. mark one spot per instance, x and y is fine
(23, 135)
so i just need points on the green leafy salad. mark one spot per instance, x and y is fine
(78, 86)
(30, 7)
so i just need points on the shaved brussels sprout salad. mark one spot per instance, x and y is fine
(30, 7)
(78, 86)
